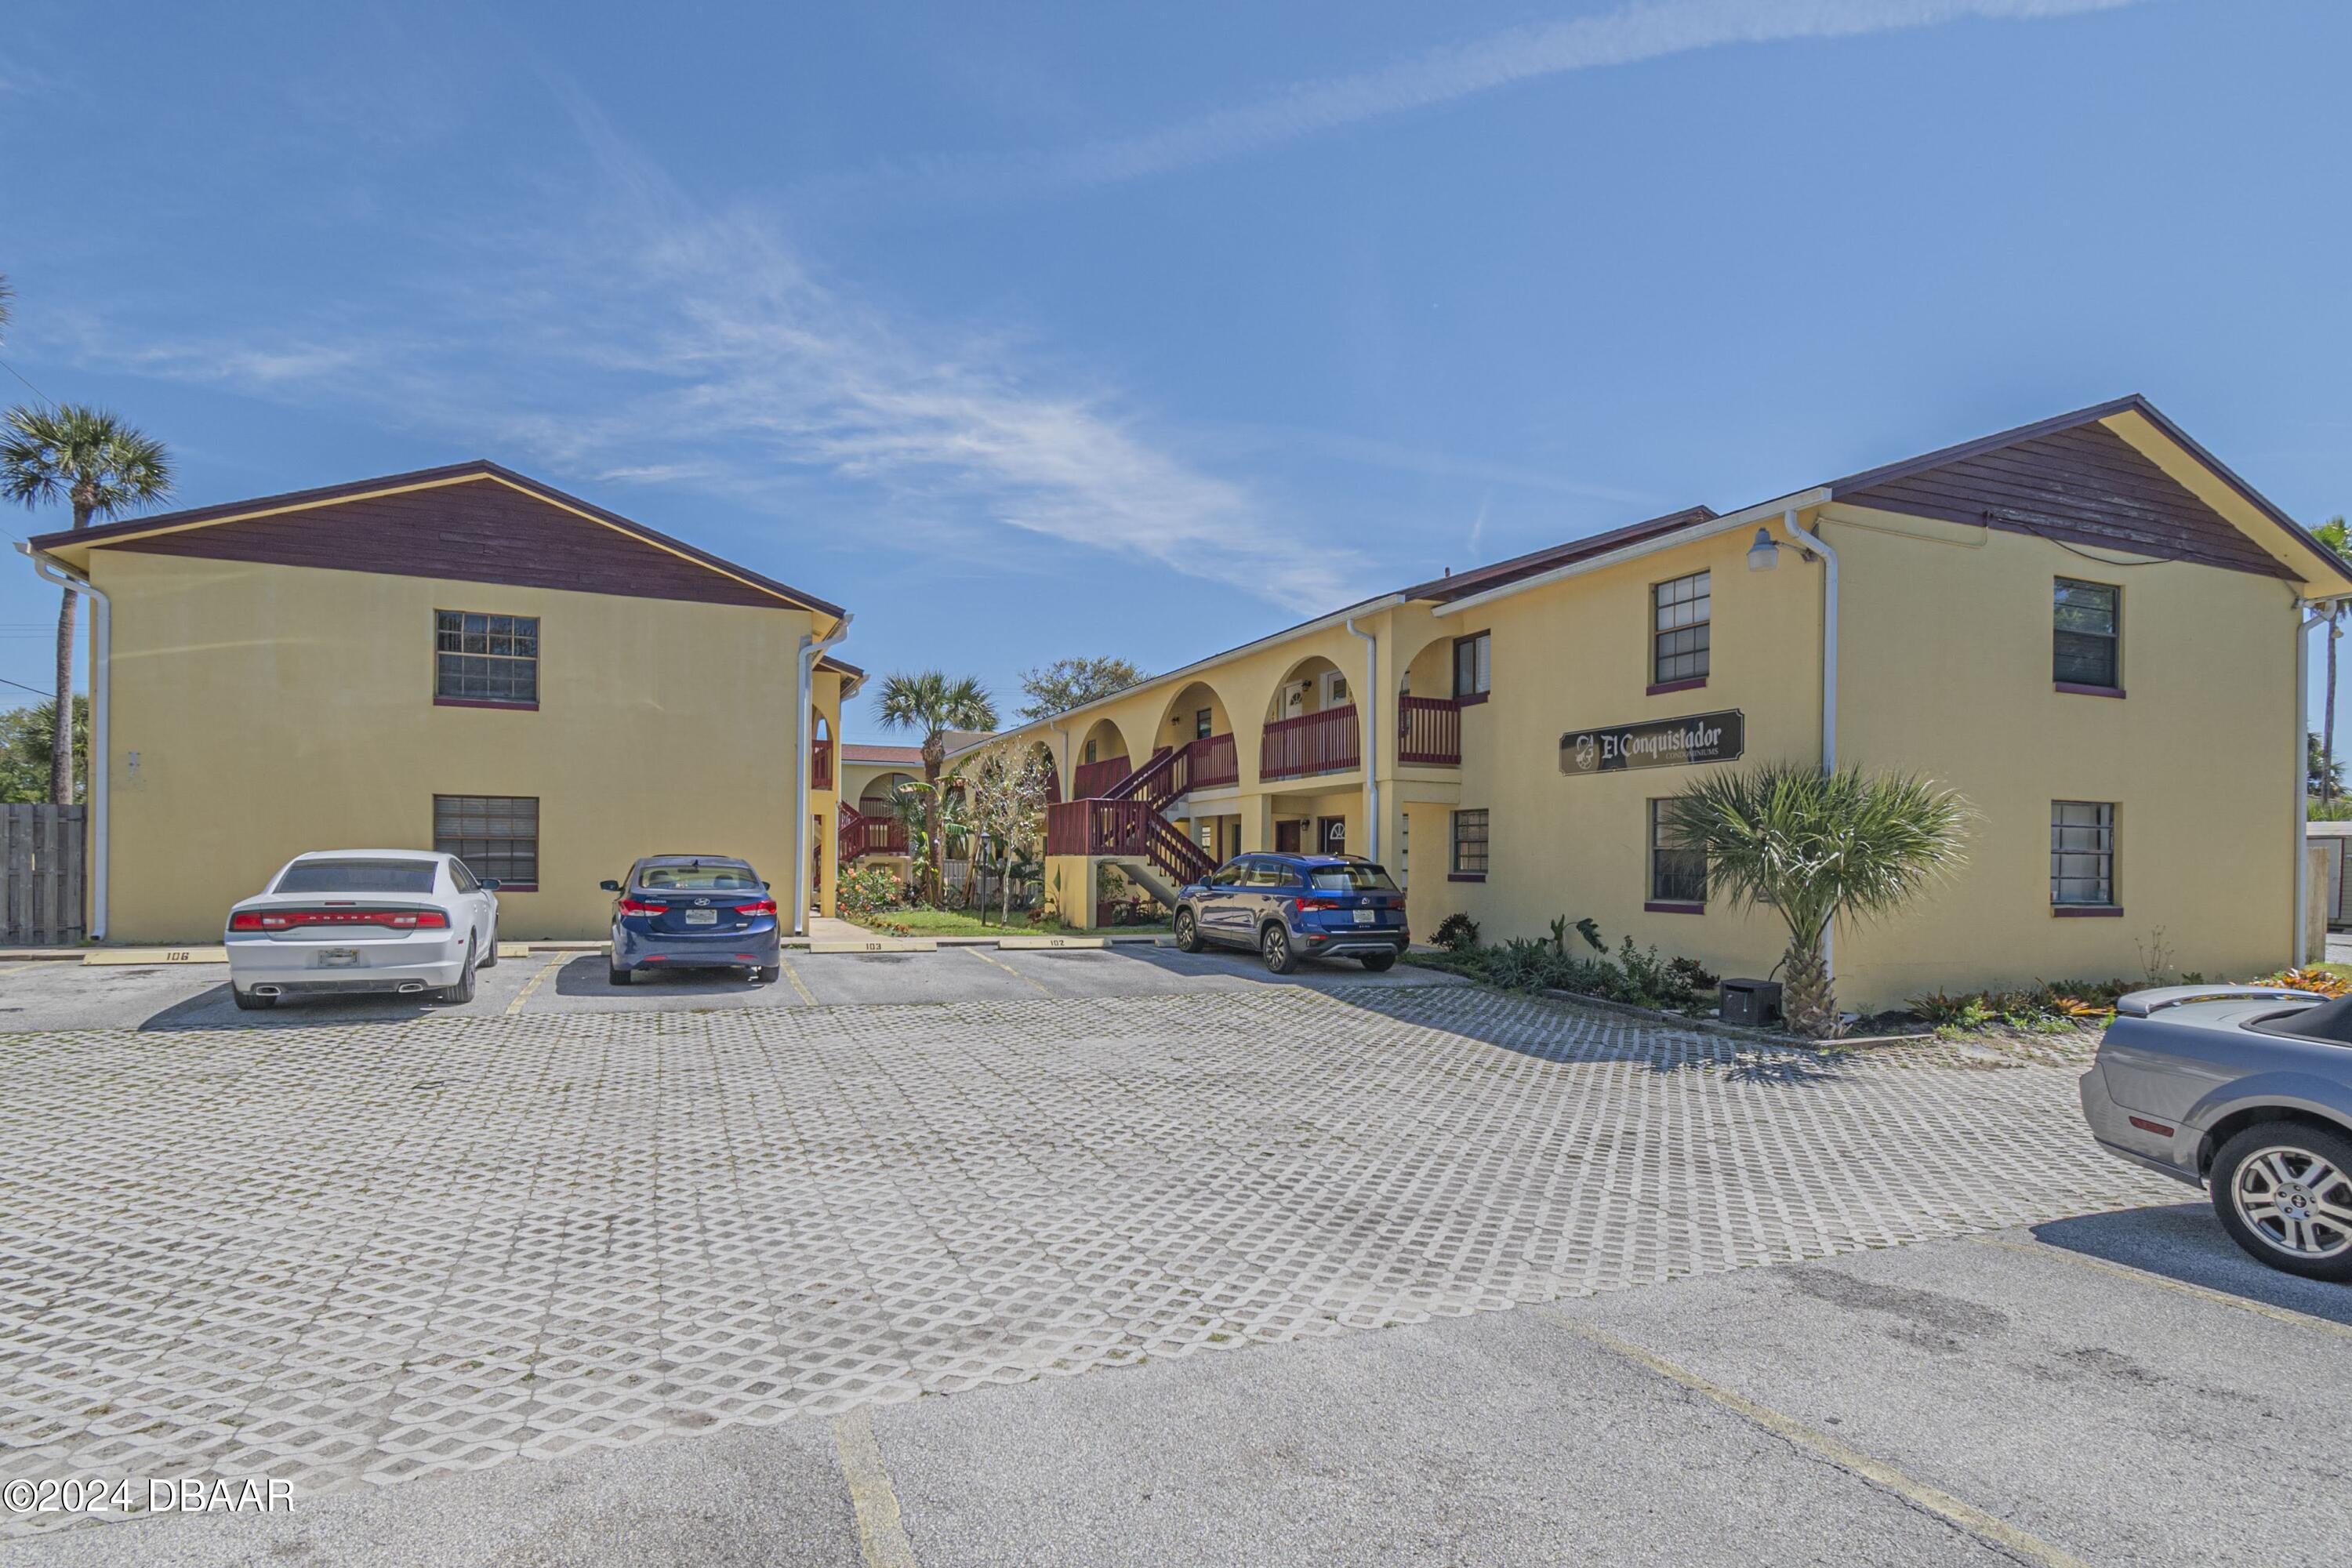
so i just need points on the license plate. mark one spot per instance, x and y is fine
(1365, 916)
(702, 917)
(338, 957)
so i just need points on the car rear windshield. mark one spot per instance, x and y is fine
(1350, 879)
(357, 876)
(698, 878)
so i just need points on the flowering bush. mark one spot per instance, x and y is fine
(868, 891)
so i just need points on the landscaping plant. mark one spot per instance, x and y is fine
(1817, 848)
(933, 703)
(1457, 932)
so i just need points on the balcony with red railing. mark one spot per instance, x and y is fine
(1093, 781)
(821, 762)
(1429, 731)
(1213, 762)
(1326, 743)
(863, 835)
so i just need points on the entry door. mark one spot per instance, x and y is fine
(1331, 836)
(1285, 838)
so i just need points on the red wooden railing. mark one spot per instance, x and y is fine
(864, 834)
(1156, 782)
(1214, 760)
(1093, 781)
(1429, 730)
(1325, 743)
(821, 763)
(1124, 827)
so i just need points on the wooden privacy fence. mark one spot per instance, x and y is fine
(41, 874)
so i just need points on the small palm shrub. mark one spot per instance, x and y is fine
(1457, 932)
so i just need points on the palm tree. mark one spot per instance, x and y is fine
(101, 466)
(1817, 847)
(934, 704)
(2338, 540)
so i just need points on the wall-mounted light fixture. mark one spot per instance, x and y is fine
(1764, 554)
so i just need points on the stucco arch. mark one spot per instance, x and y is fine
(1428, 669)
(1180, 718)
(874, 796)
(1304, 687)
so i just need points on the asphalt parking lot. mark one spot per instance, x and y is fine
(51, 995)
(1115, 1258)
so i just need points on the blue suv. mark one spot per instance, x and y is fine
(1289, 907)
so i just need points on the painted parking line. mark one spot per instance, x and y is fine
(1993, 1531)
(2180, 1287)
(881, 1529)
(993, 962)
(793, 976)
(554, 963)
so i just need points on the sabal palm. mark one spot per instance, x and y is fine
(1818, 848)
(933, 702)
(99, 466)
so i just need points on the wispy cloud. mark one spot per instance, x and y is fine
(1453, 71)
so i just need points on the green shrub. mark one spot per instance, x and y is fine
(1639, 977)
(1457, 932)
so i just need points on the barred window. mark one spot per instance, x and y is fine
(1678, 628)
(485, 659)
(2082, 852)
(2086, 634)
(1677, 875)
(1470, 843)
(497, 836)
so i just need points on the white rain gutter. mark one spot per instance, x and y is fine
(101, 640)
(1372, 722)
(810, 651)
(1747, 517)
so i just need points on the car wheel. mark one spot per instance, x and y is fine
(247, 1002)
(457, 996)
(617, 976)
(1274, 946)
(2283, 1191)
(1380, 963)
(1188, 932)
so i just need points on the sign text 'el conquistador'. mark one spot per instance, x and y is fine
(1657, 744)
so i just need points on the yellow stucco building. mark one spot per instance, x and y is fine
(2088, 627)
(461, 659)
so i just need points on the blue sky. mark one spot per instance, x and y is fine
(1233, 311)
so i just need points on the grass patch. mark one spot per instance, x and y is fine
(963, 922)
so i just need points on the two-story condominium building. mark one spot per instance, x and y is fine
(461, 659)
(2088, 627)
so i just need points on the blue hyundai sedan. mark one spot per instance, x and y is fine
(693, 912)
(1289, 906)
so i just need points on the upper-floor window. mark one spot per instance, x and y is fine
(1203, 723)
(1678, 629)
(2088, 635)
(485, 659)
(1473, 668)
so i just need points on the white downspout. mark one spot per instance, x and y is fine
(1371, 707)
(101, 639)
(1820, 547)
(2298, 956)
(810, 651)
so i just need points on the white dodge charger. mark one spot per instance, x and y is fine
(338, 922)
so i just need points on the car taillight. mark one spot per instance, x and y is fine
(288, 919)
(639, 907)
(764, 906)
(1307, 906)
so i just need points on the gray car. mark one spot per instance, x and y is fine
(2246, 1091)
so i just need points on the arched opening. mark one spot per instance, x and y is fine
(1428, 715)
(880, 792)
(821, 754)
(1310, 723)
(1197, 724)
(1102, 760)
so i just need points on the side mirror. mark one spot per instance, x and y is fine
(610, 886)
(490, 884)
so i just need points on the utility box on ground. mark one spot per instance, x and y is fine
(1754, 1003)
